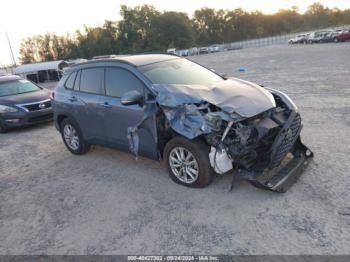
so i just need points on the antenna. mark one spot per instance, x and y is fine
(12, 56)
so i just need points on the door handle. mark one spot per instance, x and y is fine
(73, 99)
(106, 104)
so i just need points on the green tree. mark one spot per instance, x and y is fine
(27, 51)
(135, 27)
(145, 29)
(98, 40)
(171, 29)
(209, 25)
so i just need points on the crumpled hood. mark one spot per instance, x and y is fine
(232, 96)
(181, 106)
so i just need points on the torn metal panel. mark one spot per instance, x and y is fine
(150, 108)
(187, 120)
(183, 106)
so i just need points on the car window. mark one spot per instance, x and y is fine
(179, 72)
(119, 81)
(91, 80)
(17, 87)
(70, 81)
(77, 81)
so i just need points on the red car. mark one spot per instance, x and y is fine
(342, 37)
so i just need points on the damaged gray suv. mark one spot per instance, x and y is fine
(200, 123)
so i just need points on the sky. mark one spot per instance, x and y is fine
(25, 18)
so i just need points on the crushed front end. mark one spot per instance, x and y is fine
(265, 149)
(253, 131)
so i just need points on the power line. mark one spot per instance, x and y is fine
(12, 56)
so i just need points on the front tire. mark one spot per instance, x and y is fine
(73, 138)
(187, 162)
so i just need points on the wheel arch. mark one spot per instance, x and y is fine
(63, 116)
(60, 119)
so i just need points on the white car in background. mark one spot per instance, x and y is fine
(193, 51)
(214, 48)
(299, 39)
(184, 52)
(171, 51)
(316, 37)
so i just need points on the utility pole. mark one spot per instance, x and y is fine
(12, 56)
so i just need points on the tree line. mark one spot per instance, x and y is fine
(144, 29)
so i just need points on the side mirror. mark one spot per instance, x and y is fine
(132, 98)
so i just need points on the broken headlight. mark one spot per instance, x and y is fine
(284, 97)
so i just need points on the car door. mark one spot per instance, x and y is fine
(87, 95)
(118, 117)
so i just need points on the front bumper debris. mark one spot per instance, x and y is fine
(282, 177)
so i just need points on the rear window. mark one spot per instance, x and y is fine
(17, 87)
(91, 80)
(70, 81)
(77, 81)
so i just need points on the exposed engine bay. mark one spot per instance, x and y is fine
(249, 141)
(253, 144)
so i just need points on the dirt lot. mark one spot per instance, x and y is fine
(52, 202)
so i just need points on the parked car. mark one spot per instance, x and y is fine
(184, 52)
(299, 39)
(167, 107)
(316, 37)
(340, 31)
(203, 50)
(342, 37)
(171, 51)
(45, 74)
(193, 51)
(328, 37)
(22, 103)
(214, 48)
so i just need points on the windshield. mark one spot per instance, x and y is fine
(179, 72)
(17, 87)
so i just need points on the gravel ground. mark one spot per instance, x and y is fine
(52, 202)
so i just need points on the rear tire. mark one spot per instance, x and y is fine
(73, 138)
(187, 162)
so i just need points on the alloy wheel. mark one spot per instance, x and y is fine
(183, 165)
(71, 137)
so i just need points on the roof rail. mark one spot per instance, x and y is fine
(106, 56)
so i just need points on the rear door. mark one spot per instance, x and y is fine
(88, 95)
(118, 118)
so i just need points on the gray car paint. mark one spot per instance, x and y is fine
(236, 98)
(101, 124)
(232, 96)
(112, 125)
